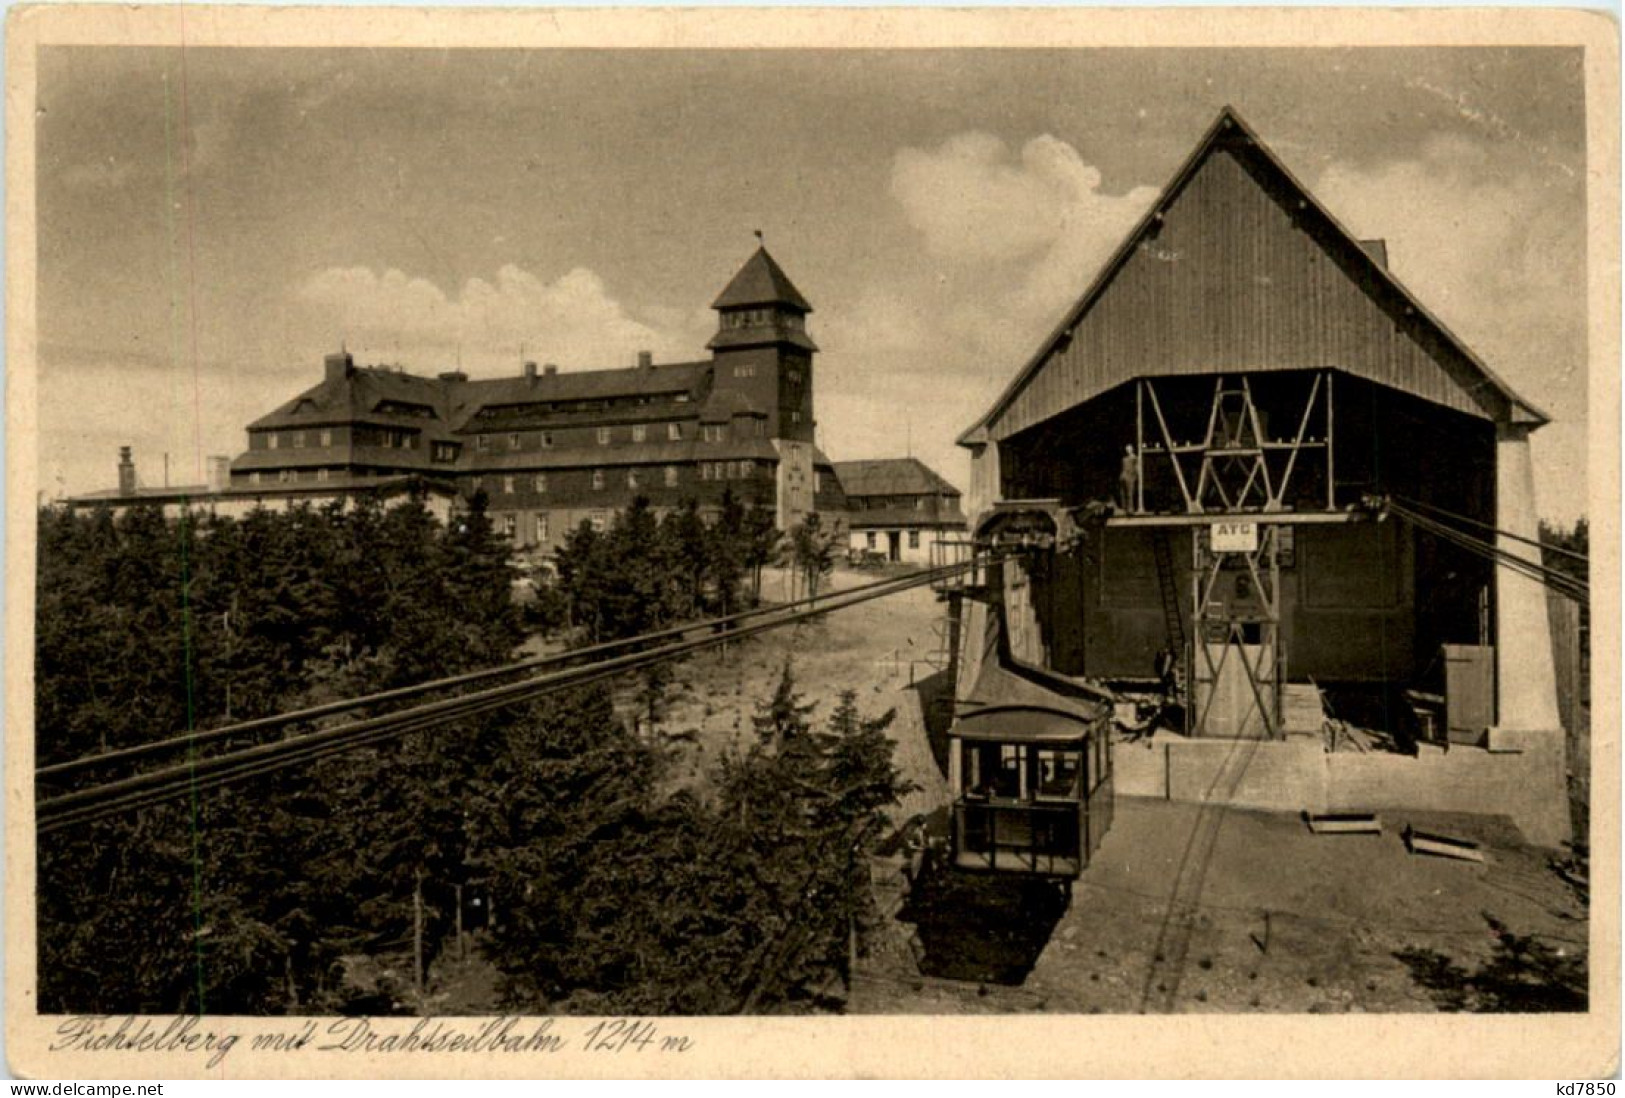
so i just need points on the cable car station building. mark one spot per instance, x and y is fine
(1195, 463)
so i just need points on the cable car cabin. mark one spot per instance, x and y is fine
(1031, 773)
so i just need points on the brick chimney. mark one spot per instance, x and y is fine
(126, 472)
(646, 360)
(550, 369)
(1377, 250)
(530, 371)
(340, 366)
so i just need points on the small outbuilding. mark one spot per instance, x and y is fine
(897, 508)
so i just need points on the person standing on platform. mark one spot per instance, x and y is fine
(1128, 480)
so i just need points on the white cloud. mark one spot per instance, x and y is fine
(1017, 237)
(572, 320)
(1042, 211)
(1009, 240)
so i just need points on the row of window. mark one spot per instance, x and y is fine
(388, 437)
(533, 527)
(290, 476)
(638, 432)
(537, 482)
(913, 539)
(750, 318)
(669, 476)
(544, 407)
(731, 470)
(536, 526)
(878, 503)
(273, 439)
(393, 439)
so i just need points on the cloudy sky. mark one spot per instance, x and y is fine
(210, 226)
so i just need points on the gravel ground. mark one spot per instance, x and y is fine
(1194, 909)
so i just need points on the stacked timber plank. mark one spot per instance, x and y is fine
(1302, 713)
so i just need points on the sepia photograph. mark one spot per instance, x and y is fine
(564, 538)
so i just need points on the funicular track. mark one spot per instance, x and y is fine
(1181, 912)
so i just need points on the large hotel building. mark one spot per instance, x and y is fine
(552, 448)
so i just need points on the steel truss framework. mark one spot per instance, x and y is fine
(1232, 470)
(1229, 472)
(1247, 632)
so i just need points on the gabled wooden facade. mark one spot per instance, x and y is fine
(1237, 268)
(1217, 411)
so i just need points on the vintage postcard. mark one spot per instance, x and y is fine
(714, 542)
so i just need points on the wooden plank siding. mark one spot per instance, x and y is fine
(1240, 275)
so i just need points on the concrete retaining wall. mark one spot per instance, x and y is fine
(1297, 775)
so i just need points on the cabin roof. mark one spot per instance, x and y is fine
(905, 476)
(1005, 705)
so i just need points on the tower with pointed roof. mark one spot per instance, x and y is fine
(762, 351)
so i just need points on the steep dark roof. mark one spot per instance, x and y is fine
(1222, 135)
(366, 395)
(574, 385)
(761, 282)
(890, 477)
(315, 457)
(758, 334)
(723, 404)
(202, 494)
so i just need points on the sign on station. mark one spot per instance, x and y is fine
(1235, 537)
